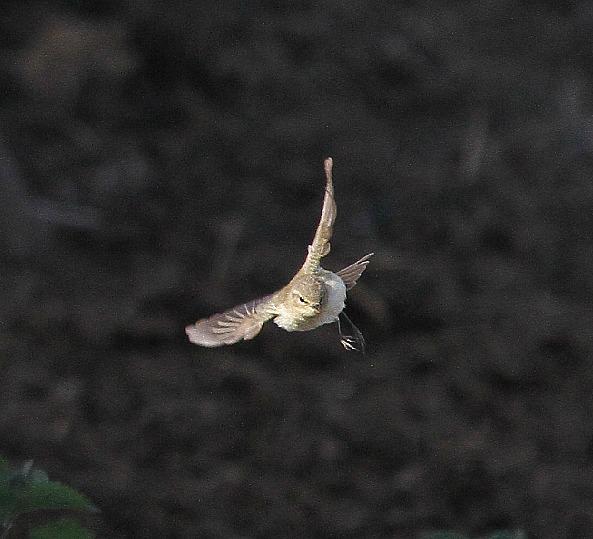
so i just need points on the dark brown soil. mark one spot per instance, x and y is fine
(162, 160)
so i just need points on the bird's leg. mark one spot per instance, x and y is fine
(345, 340)
(354, 341)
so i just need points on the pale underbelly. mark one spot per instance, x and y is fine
(331, 308)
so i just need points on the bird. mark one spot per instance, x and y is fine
(313, 297)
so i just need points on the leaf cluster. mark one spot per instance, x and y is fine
(33, 506)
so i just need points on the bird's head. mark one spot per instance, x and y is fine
(307, 295)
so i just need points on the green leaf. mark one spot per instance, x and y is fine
(61, 529)
(27, 496)
(20, 476)
(38, 476)
(7, 496)
(7, 500)
(50, 495)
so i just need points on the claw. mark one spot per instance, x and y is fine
(351, 342)
(348, 343)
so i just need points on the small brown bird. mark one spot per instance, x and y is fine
(313, 297)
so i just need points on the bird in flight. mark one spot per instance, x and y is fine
(314, 296)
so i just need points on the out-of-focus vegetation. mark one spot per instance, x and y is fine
(33, 506)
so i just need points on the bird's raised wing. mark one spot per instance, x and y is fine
(352, 273)
(241, 322)
(321, 242)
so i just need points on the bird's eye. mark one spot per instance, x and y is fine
(302, 299)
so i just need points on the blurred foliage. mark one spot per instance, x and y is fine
(61, 529)
(30, 501)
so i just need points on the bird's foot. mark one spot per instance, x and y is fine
(349, 342)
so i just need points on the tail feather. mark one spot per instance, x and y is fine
(352, 273)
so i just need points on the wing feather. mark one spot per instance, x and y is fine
(241, 322)
(321, 242)
(352, 273)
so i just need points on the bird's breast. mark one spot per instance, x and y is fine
(335, 296)
(332, 306)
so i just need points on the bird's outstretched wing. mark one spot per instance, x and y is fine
(321, 242)
(352, 273)
(241, 322)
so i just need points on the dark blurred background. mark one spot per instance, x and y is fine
(163, 160)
